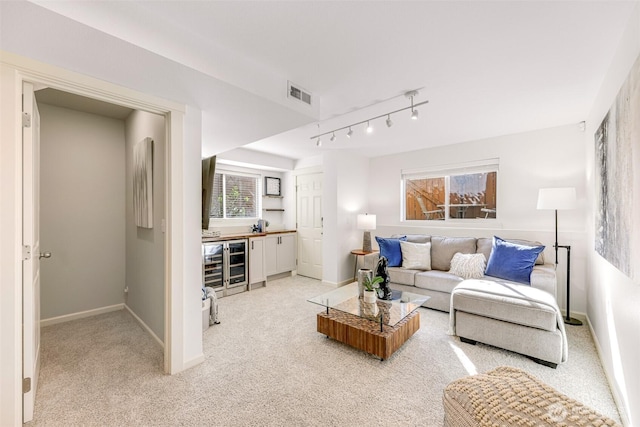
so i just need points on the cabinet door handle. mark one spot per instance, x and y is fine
(251, 245)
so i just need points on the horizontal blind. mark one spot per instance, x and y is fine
(241, 196)
(234, 196)
(217, 198)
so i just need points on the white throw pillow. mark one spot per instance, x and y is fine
(416, 256)
(468, 266)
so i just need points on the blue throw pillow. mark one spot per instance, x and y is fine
(511, 261)
(390, 249)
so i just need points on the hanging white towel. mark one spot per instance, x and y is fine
(213, 313)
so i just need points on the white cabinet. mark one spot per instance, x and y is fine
(256, 260)
(280, 253)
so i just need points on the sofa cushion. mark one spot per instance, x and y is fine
(509, 302)
(444, 248)
(436, 280)
(402, 276)
(390, 249)
(414, 238)
(416, 256)
(468, 266)
(511, 261)
(485, 244)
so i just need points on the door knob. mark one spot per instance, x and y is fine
(45, 255)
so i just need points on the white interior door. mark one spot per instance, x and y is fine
(309, 220)
(31, 250)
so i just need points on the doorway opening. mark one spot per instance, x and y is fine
(100, 260)
(96, 259)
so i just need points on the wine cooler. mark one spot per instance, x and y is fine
(224, 264)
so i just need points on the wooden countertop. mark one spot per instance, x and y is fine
(243, 236)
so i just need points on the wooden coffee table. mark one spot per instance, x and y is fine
(379, 329)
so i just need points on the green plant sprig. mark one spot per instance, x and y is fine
(371, 284)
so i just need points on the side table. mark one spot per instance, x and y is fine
(357, 253)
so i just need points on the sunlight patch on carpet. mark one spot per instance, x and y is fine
(466, 362)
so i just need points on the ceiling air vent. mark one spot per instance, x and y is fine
(294, 91)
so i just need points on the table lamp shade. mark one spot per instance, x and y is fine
(366, 222)
(557, 198)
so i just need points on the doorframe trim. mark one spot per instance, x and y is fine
(27, 70)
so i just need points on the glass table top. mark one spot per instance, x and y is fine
(388, 312)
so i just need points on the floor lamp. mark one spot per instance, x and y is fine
(367, 223)
(560, 199)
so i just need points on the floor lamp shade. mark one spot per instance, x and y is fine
(557, 198)
(367, 223)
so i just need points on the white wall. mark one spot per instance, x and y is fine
(613, 298)
(82, 211)
(344, 196)
(145, 247)
(528, 161)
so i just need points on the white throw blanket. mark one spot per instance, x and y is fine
(213, 310)
(511, 291)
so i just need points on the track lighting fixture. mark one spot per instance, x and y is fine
(369, 129)
(414, 113)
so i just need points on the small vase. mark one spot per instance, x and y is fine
(362, 273)
(370, 297)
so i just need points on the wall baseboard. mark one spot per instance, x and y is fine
(193, 362)
(80, 315)
(145, 327)
(575, 314)
(617, 398)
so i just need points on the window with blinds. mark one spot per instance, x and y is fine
(235, 196)
(466, 191)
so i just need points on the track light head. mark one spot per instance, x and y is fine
(389, 122)
(349, 133)
(369, 127)
(414, 114)
(319, 143)
(333, 137)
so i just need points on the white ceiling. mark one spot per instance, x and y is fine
(486, 68)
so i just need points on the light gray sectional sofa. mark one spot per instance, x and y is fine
(438, 283)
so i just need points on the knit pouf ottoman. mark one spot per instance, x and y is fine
(511, 397)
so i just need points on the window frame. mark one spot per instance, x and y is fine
(446, 171)
(257, 196)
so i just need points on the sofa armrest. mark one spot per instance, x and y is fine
(371, 260)
(544, 277)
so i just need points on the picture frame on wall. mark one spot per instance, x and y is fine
(272, 186)
(143, 183)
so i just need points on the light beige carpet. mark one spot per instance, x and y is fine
(265, 365)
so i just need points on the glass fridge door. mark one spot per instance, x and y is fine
(212, 263)
(237, 263)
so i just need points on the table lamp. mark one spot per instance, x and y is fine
(560, 199)
(367, 223)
